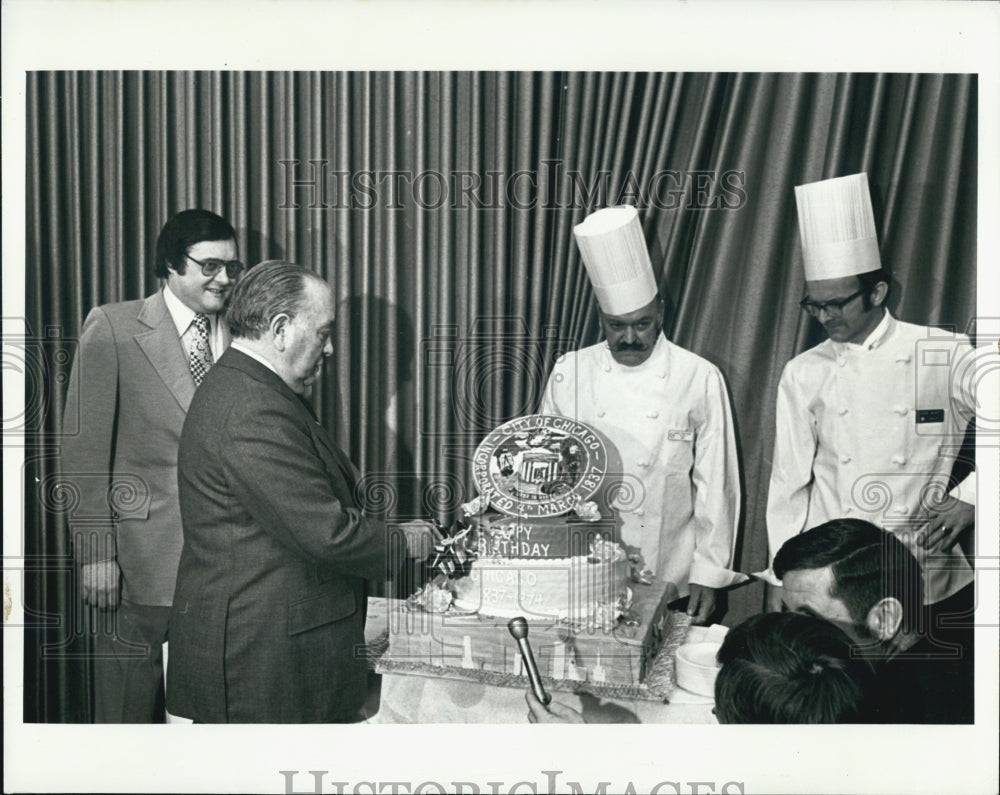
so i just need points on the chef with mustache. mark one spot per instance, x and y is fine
(869, 422)
(666, 411)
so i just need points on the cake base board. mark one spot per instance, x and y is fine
(570, 657)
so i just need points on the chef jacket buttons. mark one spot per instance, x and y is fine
(848, 509)
(639, 512)
(899, 460)
(607, 368)
(904, 359)
(843, 411)
(643, 464)
(841, 361)
(900, 410)
(661, 375)
(845, 459)
(601, 413)
(653, 414)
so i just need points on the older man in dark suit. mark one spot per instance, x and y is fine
(132, 380)
(268, 618)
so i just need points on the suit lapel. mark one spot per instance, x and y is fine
(326, 443)
(343, 462)
(162, 347)
(333, 457)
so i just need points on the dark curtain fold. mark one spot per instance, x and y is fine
(441, 207)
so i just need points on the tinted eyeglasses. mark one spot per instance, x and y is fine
(210, 267)
(834, 308)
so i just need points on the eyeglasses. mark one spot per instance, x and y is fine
(833, 308)
(210, 267)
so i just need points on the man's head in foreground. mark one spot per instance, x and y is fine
(789, 668)
(855, 575)
(284, 313)
(776, 668)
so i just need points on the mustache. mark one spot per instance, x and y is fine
(631, 346)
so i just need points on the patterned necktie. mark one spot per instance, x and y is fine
(201, 353)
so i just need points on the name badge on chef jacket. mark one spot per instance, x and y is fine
(925, 416)
(680, 436)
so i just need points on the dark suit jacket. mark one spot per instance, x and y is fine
(129, 390)
(925, 684)
(268, 619)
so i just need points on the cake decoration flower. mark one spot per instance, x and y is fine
(588, 511)
(434, 597)
(602, 549)
(475, 506)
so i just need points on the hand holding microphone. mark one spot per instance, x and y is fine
(519, 630)
(541, 707)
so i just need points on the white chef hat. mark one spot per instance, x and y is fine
(614, 253)
(837, 228)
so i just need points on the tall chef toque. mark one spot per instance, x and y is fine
(614, 253)
(837, 228)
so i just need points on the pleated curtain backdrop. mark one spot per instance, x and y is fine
(440, 206)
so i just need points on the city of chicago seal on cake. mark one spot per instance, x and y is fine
(539, 465)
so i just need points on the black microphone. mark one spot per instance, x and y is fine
(519, 630)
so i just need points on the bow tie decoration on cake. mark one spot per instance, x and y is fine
(454, 551)
(452, 557)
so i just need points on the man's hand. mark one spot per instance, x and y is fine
(421, 536)
(100, 583)
(946, 524)
(554, 713)
(772, 602)
(701, 603)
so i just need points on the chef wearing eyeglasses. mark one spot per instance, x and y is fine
(869, 422)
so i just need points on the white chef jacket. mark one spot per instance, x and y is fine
(670, 421)
(871, 432)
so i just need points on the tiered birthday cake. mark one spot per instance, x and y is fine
(538, 541)
(532, 568)
(544, 551)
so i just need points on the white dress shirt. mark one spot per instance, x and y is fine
(183, 317)
(238, 346)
